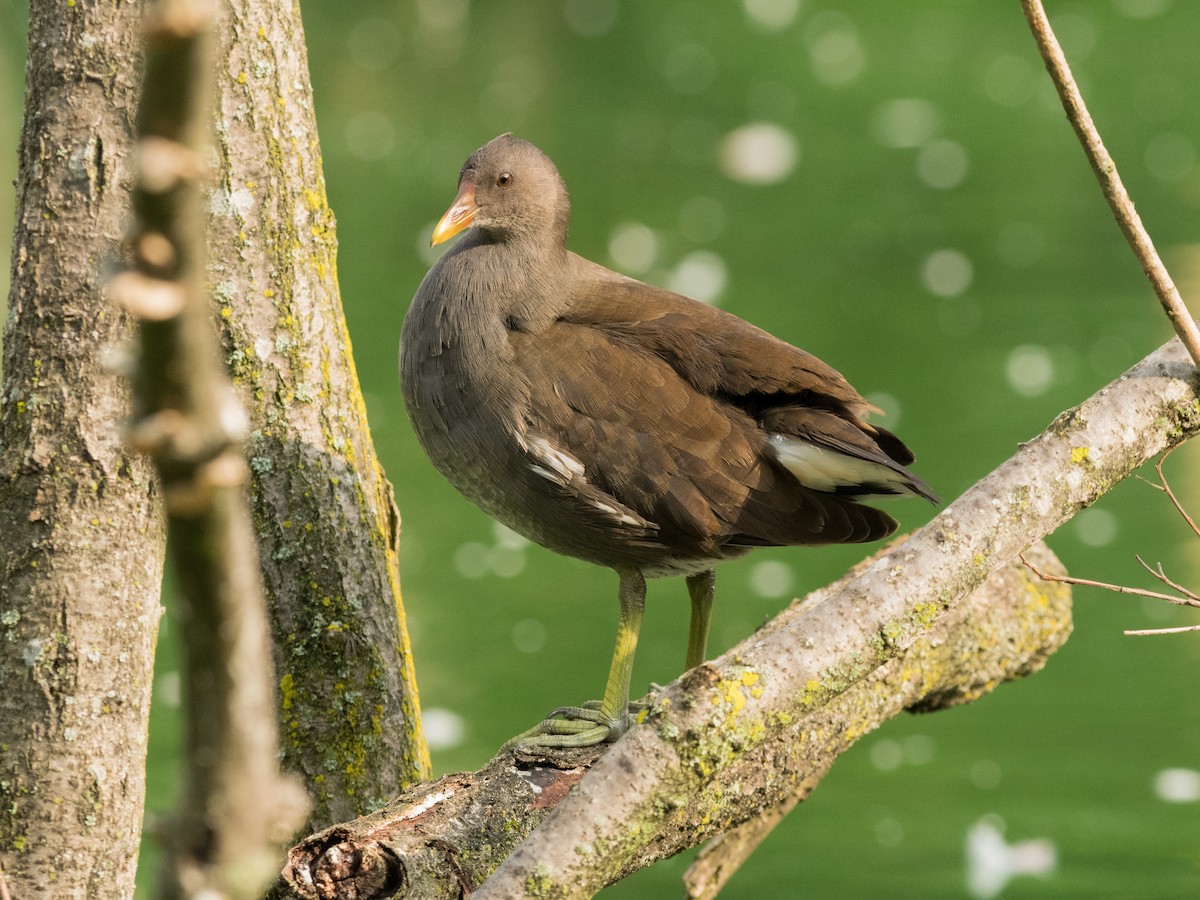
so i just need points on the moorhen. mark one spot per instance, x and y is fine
(621, 423)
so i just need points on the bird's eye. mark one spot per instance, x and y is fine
(504, 179)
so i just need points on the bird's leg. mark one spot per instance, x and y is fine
(700, 589)
(584, 726)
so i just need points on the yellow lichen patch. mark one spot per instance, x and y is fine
(287, 691)
(923, 614)
(812, 690)
(1080, 454)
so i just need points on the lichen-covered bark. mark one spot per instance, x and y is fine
(82, 547)
(442, 840)
(324, 514)
(749, 734)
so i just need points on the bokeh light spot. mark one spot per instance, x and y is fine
(759, 153)
(443, 728)
(1029, 370)
(942, 164)
(633, 247)
(1170, 156)
(835, 51)
(1095, 527)
(947, 273)
(591, 18)
(1178, 785)
(529, 635)
(700, 275)
(905, 122)
(689, 68)
(771, 578)
(773, 15)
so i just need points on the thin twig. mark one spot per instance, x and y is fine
(1157, 572)
(1116, 588)
(1180, 630)
(1110, 180)
(1166, 486)
(1189, 598)
(4, 894)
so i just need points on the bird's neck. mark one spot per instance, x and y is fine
(518, 281)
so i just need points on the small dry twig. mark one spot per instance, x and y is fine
(1187, 597)
(4, 894)
(1165, 486)
(1110, 180)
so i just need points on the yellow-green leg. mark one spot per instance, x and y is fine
(700, 588)
(583, 726)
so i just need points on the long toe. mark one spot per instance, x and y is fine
(574, 726)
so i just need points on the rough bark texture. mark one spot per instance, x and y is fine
(445, 838)
(81, 554)
(324, 514)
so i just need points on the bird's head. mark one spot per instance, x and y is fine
(507, 188)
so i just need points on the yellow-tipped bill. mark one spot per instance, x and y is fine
(459, 216)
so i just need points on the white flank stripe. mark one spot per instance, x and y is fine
(567, 467)
(623, 517)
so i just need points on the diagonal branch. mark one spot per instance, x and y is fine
(1110, 179)
(1006, 629)
(659, 778)
(677, 780)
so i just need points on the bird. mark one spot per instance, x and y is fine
(621, 423)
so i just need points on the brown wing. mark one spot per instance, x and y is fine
(692, 463)
(785, 389)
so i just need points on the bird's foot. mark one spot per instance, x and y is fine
(577, 726)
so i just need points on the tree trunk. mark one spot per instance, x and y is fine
(81, 559)
(326, 523)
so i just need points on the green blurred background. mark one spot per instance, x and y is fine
(892, 186)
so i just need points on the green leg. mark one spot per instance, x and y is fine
(700, 589)
(584, 726)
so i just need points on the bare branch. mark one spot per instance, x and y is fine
(669, 782)
(235, 807)
(428, 840)
(1110, 180)
(612, 820)
(1189, 598)
(1115, 588)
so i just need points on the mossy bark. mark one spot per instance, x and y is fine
(82, 547)
(326, 523)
